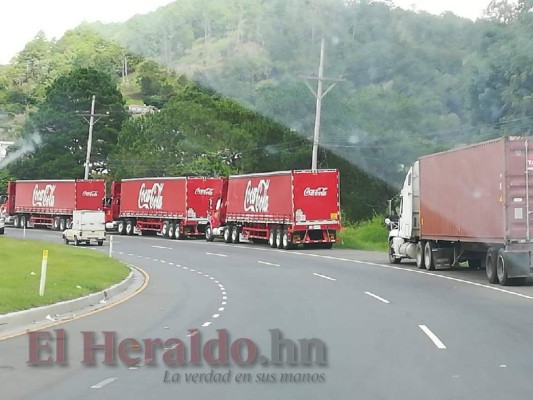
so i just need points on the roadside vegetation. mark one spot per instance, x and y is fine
(72, 272)
(366, 235)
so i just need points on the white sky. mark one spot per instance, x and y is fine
(20, 20)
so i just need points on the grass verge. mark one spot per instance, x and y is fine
(368, 235)
(72, 272)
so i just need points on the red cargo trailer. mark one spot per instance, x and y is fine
(51, 203)
(284, 208)
(176, 207)
(470, 204)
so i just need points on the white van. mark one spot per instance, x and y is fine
(86, 226)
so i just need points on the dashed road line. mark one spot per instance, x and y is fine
(432, 336)
(100, 385)
(268, 263)
(216, 254)
(377, 297)
(324, 276)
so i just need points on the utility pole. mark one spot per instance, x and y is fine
(90, 139)
(319, 94)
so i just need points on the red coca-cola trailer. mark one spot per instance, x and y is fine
(175, 207)
(284, 208)
(51, 203)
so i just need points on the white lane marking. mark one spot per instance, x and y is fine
(221, 309)
(206, 324)
(324, 276)
(216, 254)
(162, 247)
(103, 383)
(377, 297)
(163, 261)
(192, 270)
(121, 253)
(224, 303)
(224, 297)
(267, 263)
(129, 254)
(217, 282)
(210, 277)
(184, 267)
(216, 315)
(156, 259)
(432, 336)
(224, 293)
(170, 263)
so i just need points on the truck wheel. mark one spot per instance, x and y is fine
(209, 234)
(420, 254)
(55, 225)
(129, 227)
(100, 243)
(286, 244)
(227, 234)
(178, 233)
(428, 256)
(392, 258)
(272, 238)
(62, 224)
(171, 231)
(490, 265)
(2, 231)
(279, 237)
(501, 269)
(235, 233)
(23, 221)
(16, 223)
(164, 229)
(76, 241)
(121, 227)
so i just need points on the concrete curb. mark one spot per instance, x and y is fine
(32, 318)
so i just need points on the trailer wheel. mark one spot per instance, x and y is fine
(272, 238)
(100, 243)
(279, 236)
(490, 265)
(55, 225)
(209, 234)
(164, 229)
(287, 245)
(129, 227)
(392, 258)
(23, 221)
(235, 235)
(121, 227)
(62, 224)
(172, 231)
(17, 221)
(227, 234)
(420, 254)
(428, 256)
(501, 269)
(178, 232)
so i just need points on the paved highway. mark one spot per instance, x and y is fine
(388, 332)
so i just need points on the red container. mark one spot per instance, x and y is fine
(477, 193)
(289, 197)
(58, 196)
(173, 198)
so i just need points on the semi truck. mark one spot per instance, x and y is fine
(175, 207)
(469, 205)
(285, 209)
(51, 203)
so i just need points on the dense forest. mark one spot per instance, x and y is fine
(231, 82)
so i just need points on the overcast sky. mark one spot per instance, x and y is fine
(20, 20)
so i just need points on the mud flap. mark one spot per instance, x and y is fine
(442, 257)
(517, 263)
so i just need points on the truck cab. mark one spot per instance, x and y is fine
(86, 226)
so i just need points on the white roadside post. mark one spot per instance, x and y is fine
(110, 245)
(24, 234)
(44, 264)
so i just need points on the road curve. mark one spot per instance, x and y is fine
(388, 331)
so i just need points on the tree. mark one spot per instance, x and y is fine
(64, 133)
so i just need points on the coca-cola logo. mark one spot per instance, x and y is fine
(204, 192)
(317, 192)
(256, 198)
(44, 197)
(91, 193)
(151, 199)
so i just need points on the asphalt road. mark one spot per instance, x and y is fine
(388, 332)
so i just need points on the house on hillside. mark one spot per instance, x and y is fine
(141, 109)
(3, 149)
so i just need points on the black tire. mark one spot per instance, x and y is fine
(164, 229)
(286, 244)
(66, 241)
(171, 231)
(519, 281)
(209, 234)
(16, 223)
(235, 235)
(76, 241)
(428, 256)
(121, 228)
(490, 265)
(178, 232)
(227, 234)
(23, 221)
(2, 231)
(392, 258)
(55, 225)
(420, 262)
(62, 224)
(129, 227)
(100, 243)
(272, 238)
(279, 237)
(501, 269)
(329, 245)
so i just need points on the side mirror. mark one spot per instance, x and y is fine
(387, 221)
